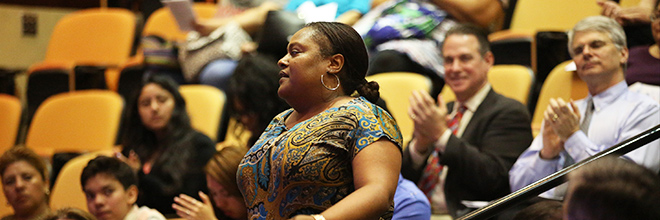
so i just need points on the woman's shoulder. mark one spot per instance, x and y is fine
(362, 106)
(374, 121)
(201, 141)
(199, 137)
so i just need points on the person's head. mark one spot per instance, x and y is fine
(221, 180)
(467, 59)
(252, 92)
(157, 107)
(110, 186)
(24, 180)
(655, 24)
(598, 47)
(326, 56)
(70, 213)
(612, 188)
(544, 210)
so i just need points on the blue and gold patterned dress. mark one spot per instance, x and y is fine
(307, 169)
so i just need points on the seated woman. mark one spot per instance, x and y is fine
(644, 61)
(252, 19)
(221, 180)
(329, 143)
(162, 147)
(634, 19)
(252, 93)
(25, 184)
(406, 36)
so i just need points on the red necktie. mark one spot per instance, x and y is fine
(433, 168)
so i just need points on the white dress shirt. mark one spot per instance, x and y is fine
(618, 114)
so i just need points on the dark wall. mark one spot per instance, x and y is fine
(55, 3)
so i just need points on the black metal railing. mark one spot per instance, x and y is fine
(551, 181)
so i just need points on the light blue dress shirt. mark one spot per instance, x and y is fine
(618, 114)
(410, 203)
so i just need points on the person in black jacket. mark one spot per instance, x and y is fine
(160, 144)
(476, 149)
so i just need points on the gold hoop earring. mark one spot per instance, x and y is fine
(328, 88)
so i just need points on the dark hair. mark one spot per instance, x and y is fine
(70, 213)
(22, 153)
(254, 84)
(222, 167)
(112, 167)
(343, 39)
(476, 31)
(176, 149)
(544, 210)
(613, 188)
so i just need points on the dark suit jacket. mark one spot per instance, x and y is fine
(479, 161)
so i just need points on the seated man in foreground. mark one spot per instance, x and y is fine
(610, 114)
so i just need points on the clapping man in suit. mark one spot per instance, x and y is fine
(463, 151)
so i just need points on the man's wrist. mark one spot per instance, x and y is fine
(546, 156)
(420, 147)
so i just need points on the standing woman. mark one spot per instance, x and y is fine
(25, 184)
(163, 148)
(332, 155)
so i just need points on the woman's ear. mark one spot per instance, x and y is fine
(336, 63)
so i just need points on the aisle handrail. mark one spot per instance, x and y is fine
(556, 179)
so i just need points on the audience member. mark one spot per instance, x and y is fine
(644, 61)
(407, 35)
(330, 143)
(252, 93)
(25, 183)
(468, 157)
(70, 213)
(634, 19)
(111, 189)
(544, 210)
(221, 179)
(162, 147)
(410, 203)
(610, 114)
(251, 17)
(612, 188)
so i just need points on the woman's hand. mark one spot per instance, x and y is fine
(191, 209)
(205, 26)
(630, 15)
(132, 160)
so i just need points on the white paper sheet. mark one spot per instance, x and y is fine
(183, 13)
(309, 12)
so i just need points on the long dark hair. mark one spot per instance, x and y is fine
(254, 84)
(343, 39)
(175, 149)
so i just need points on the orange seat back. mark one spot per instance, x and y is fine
(79, 121)
(10, 118)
